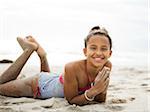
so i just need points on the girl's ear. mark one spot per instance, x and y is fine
(85, 51)
(110, 53)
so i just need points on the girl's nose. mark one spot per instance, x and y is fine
(98, 52)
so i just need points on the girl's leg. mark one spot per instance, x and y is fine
(18, 88)
(13, 71)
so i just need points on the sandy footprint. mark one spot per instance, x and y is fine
(144, 84)
(131, 99)
(115, 108)
(148, 78)
(6, 109)
(17, 101)
(117, 101)
(148, 90)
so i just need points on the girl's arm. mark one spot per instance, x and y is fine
(71, 88)
(102, 96)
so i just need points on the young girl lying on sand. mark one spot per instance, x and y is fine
(83, 82)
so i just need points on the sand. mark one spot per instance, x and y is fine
(129, 91)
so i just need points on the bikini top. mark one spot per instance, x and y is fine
(81, 90)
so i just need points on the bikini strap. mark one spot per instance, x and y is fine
(89, 79)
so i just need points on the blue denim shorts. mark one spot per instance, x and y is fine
(50, 85)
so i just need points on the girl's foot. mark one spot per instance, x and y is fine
(40, 51)
(26, 44)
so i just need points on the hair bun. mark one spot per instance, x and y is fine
(98, 29)
(95, 28)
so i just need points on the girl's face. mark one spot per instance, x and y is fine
(98, 50)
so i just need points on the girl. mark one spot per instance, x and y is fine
(82, 82)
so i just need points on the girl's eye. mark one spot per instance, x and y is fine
(104, 49)
(93, 48)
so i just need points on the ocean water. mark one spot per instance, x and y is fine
(61, 26)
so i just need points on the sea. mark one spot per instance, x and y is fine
(60, 26)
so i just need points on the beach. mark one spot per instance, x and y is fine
(128, 91)
(60, 27)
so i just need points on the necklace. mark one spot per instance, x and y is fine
(88, 75)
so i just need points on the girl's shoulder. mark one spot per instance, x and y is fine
(75, 64)
(74, 69)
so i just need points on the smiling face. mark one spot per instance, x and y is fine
(98, 50)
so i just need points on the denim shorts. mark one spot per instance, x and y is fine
(50, 85)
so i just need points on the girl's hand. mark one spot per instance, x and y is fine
(108, 64)
(102, 81)
(105, 71)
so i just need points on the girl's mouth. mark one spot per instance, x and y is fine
(98, 60)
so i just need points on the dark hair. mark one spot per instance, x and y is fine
(96, 30)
